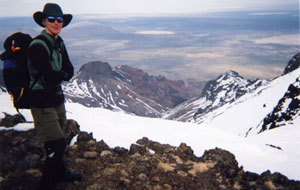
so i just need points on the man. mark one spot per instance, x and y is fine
(49, 65)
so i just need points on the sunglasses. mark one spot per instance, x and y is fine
(53, 18)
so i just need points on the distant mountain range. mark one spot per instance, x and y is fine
(128, 89)
(131, 90)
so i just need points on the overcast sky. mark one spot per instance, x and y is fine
(27, 7)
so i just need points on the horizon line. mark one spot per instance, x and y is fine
(202, 13)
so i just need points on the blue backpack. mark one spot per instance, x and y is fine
(15, 72)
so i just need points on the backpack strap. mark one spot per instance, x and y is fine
(50, 48)
(48, 43)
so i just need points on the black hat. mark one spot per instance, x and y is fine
(51, 9)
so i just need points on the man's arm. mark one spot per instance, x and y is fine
(67, 66)
(39, 57)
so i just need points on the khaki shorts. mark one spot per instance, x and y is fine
(49, 122)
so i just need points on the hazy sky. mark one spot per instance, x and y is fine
(251, 53)
(27, 7)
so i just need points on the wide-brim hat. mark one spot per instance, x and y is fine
(51, 9)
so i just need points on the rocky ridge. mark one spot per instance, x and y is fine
(293, 64)
(127, 89)
(98, 85)
(287, 109)
(146, 165)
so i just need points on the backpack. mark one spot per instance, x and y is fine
(15, 71)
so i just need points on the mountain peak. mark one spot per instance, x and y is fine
(96, 68)
(225, 82)
(229, 75)
(226, 88)
(232, 73)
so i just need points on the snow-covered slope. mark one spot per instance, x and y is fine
(250, 109)
(284, 113)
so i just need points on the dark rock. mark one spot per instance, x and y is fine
(97, 68)
(134, 148)
(72, 129)
(273, 146)
(144, 141)
(249, 176)
(279, 116)
(84, 137)
(120, 150)
(90, 154)
(293, 64)
(186, 149)
(21, 158)
(219, 155)
(101, 146)
(102, 167)
(225, 161)
(12, 120)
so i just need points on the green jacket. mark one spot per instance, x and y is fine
(47, 73)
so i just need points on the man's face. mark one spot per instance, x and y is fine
(53, 25)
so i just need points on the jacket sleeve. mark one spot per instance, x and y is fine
(39, 58)
(67, 66)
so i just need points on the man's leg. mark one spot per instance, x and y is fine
(48, 124)
(65, 174)
(53, 163)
